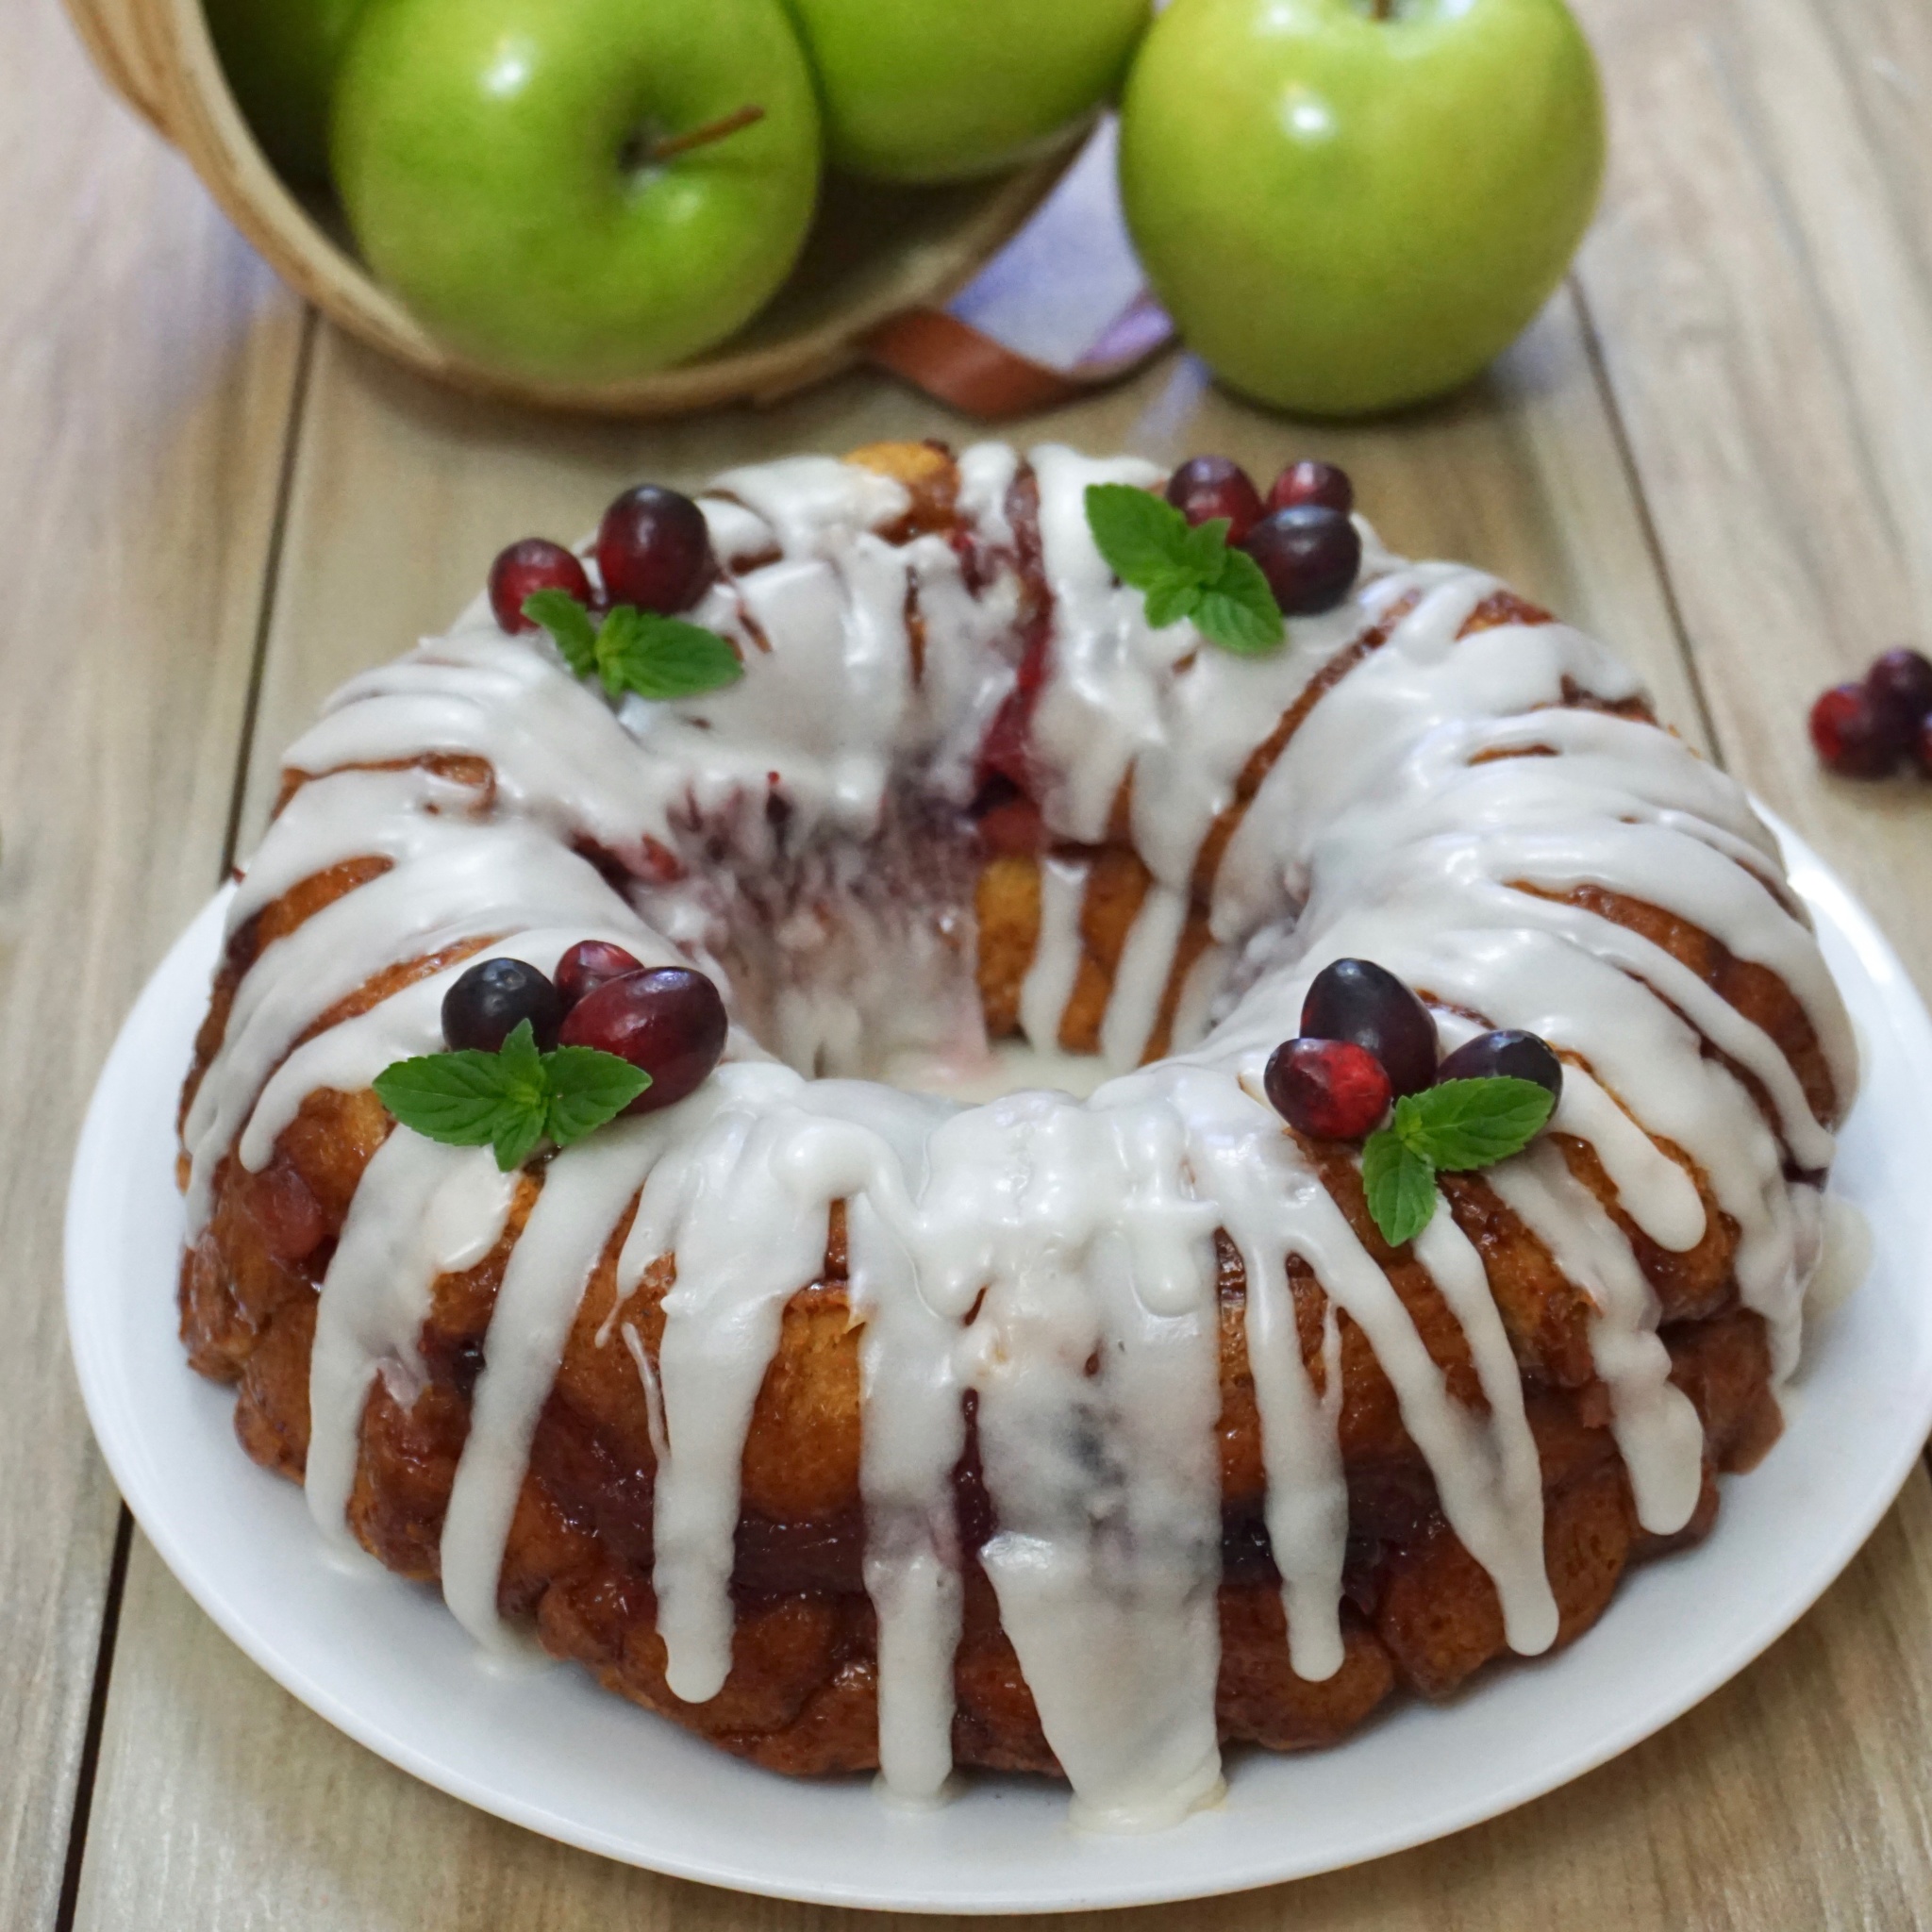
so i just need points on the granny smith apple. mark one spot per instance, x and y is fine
(1347, 206)
(941, 90)
(280, 58)
(578, 190)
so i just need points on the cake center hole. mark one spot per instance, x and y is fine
(859, 960)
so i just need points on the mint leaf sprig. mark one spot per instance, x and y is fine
(1185, 570)
(1454, 1129)
(636, 650)
(511, 1100)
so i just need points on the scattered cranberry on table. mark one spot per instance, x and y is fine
(523, 570)
(486, 1003)
(1850, 737)
(667, 1019)
(1330, 1089)
(589, 964)
(1900, 688)
(1357, 1000)
(1312, 482)
(654, 550)
(1864, 730)
(1507, 1055)
(1204, 488)
(1310, 554)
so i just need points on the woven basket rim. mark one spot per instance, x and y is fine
(159, 56)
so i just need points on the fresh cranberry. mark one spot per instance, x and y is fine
(1357, 1001)
(1331, 1089)
(485, 1005)
(1309, 554)
(1312, 482)
(1900, 688)
(525, 568)
(1849, 736)
(654, 550)
(589, 964)
(1204, 488)
(1507, 1055)
(669, 1021)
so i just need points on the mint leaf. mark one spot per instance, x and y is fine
(1207, 546)
(522, 1064)
(662, 656)
(1400, 1185)
(636, 650)
(516, 1137)
(1140, 536)
(1172, 598)
(586, 1087)
(1237, 610)
(568, 625)
(510, 1100)
(1469, 1124)
(471, 1099)
(452, 1097)
(1184, 570)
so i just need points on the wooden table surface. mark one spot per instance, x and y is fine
(1714, 448)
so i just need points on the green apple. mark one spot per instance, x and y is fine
(566, 188)
(943, 90)
(281, 57)
(1347, 206)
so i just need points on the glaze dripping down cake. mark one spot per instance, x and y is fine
(851, 1421)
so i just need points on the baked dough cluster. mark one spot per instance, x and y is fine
(849, 1419)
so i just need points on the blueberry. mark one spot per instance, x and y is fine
(1507, 1055)
(485, 1005)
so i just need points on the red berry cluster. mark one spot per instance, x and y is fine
(1303, 536)
(1868, 730)
(652, 550)
(667, 1019)
(1366, 1040)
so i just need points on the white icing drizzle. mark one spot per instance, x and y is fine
(1054, 1258)
(985, 475)
(584, 1190)
(424, 1210)
(1652, 1189)
(1056, 965)
(1499, 1516)
(914, 1435)
(1657, 1429)
(1141, 977)
(1075, 1222)
(720, 1174)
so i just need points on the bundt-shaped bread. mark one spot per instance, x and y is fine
(853, 1424)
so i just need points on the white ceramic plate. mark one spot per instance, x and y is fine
(382, 1660)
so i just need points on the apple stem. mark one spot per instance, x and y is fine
(667, 147)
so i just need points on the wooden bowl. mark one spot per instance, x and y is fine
(872, 254)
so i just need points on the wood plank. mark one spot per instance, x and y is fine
(1762, 280)
(221, 1802)
(146, 366)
